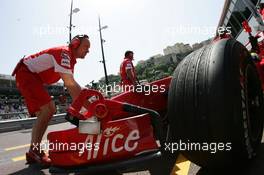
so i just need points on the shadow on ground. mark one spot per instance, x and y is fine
(30, 170)
(253, 167)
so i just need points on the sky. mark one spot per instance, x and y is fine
(143, 26)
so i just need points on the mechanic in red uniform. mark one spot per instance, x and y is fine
(127, 70)
(261, 9)
(45, 68)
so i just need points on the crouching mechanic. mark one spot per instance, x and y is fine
(45, 68)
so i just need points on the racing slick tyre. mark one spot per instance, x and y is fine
(215, 105)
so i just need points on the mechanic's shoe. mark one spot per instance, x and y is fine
(34, 156)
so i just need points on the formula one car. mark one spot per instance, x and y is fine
(112, 134)
(211, 110)
(213, 101)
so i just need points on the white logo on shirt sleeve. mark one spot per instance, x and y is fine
(128, 66)
(65, 60)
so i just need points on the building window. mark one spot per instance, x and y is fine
(239, 14)
(254, 2)
(241, 7)
(233, 30)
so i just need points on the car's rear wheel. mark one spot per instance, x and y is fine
(215, 105)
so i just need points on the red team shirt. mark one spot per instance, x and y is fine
(127, 64)
(48, 63)
(41, 69)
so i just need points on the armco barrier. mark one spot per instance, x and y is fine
(14, 125)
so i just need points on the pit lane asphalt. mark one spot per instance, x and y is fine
(13, 146)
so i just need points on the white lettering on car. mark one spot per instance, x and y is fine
(109, 143)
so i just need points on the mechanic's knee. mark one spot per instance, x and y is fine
(52, 108)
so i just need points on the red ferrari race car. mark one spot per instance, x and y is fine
(211, 110)
(112, 134)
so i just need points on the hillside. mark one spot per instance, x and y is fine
(158, 66)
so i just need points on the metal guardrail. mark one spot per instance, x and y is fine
(13, 115)
(14, 125)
